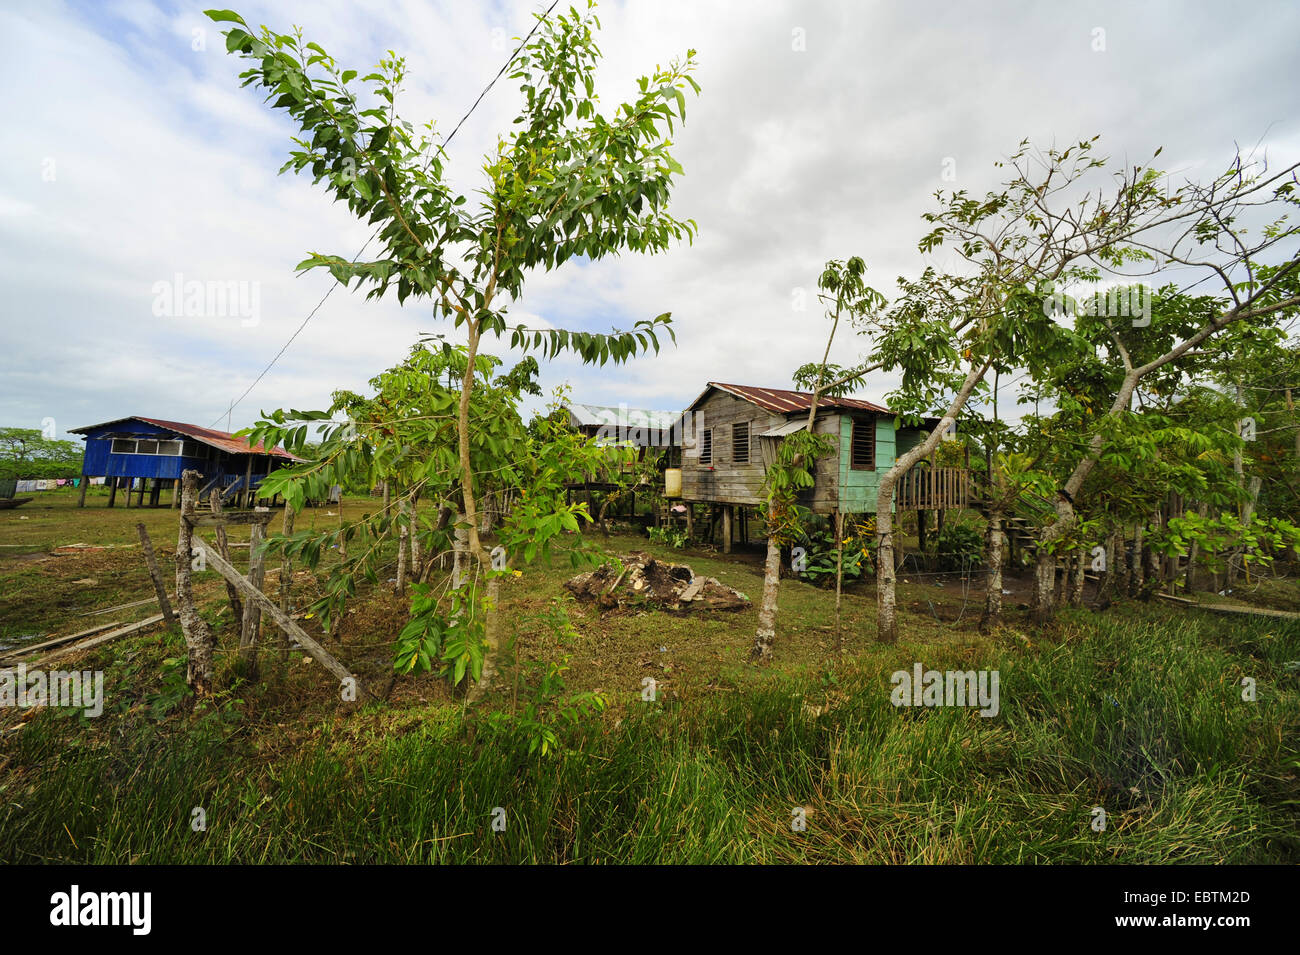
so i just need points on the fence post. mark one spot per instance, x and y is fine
(199, 638)
(252, 619)
(155, 574)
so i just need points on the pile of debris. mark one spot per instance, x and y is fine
(645, 579)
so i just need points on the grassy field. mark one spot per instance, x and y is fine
(1138, 711)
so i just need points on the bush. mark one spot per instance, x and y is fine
(959, 546)
(859, 553)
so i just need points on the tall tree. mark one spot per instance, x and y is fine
(566, 181)
(1049, 227)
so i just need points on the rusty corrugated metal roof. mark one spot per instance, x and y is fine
(223, 440)
(782, 401)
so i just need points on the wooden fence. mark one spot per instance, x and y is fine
(935, 489)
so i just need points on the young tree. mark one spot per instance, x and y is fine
(567, 181)
(846, 295)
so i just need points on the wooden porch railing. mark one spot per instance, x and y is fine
(934, 489)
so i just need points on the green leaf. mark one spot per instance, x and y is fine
(224, 16)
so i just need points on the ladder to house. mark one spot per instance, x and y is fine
(203, 491)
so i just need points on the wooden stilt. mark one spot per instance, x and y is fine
(112, 490)
(81, 498)
(726, 529)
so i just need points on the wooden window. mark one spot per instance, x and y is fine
(862, 454)
(172, 448)
(706, 446)
(146, 447)
(123, 446)
(740, 442)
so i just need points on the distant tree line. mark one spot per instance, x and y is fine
(25, 454)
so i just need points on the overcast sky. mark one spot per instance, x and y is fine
(130, 155)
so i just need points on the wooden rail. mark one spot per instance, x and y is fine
(934, 489)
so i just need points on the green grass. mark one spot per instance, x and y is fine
(1137, 710)
(1138, 713)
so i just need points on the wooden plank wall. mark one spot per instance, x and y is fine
(727, 482)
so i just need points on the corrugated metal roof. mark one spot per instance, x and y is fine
(600, 415)
(781, 401)
(790, 427)
(222, 440)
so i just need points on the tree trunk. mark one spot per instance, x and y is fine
(402, 550)
(413, 538)
(1135, 561)
(1080, 568)
(1121, 564)
(1193, 553)
(886, 587)
(993, 589)
(460, 552)
(766, 635)
(476, 548)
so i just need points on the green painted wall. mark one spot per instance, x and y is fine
(859, 489)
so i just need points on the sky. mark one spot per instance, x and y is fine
(132, 163)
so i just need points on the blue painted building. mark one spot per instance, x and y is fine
(149, 453)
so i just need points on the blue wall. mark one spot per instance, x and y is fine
(100, 461)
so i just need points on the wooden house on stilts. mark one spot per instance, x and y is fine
(729, 438)
(148, 454)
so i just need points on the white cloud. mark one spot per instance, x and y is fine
(164, 164)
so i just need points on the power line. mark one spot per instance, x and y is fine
(361, 251)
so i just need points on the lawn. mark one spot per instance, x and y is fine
(1137, 711)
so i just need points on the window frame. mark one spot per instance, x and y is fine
(869, 423)
(735, 454)
(706, 446)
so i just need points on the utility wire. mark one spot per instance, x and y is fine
(361, 251)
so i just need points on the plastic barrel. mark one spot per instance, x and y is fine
(673, 482)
